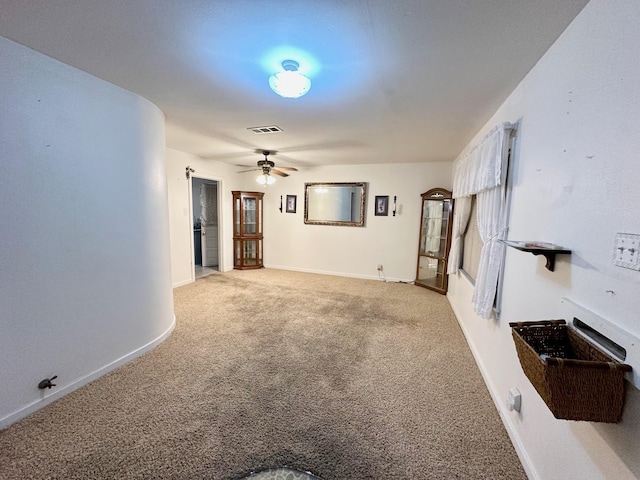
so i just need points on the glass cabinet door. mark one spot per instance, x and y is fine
(433, 231)
(247, 253)
(435, 239)
(236, 216)
(249, 209)
(247, 230)
(430, 271)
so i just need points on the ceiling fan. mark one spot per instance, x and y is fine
(268, 167)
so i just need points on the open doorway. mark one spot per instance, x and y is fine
(205, 208)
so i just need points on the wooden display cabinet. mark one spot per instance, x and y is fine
(435, 239)
(247, 230)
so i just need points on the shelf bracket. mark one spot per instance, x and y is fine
(551, 259)
(548, 250)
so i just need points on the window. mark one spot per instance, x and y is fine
(472, 244)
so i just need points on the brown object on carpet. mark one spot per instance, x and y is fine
(345, 378)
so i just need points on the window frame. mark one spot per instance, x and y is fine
(476, 246)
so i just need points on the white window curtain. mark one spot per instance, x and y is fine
(491, 215)
(482, 168)
(482, 172)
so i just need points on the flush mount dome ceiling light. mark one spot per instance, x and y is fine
(289, 83)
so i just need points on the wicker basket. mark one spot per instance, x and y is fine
(576, 380)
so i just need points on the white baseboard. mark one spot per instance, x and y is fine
(65, 390)
(182, 283)
(497, 400)
(339, 274)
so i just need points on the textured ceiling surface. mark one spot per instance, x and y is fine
(392, 81)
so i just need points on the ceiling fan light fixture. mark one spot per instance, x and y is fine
(289, 83)
(265, 179)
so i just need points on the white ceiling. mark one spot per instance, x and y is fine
(392, 81)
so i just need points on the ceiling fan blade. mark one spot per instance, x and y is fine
(250, 170)
(278, 172)
(288, 169)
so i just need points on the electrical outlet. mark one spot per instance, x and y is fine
(379, 267)
(514, 400)
(626, 251)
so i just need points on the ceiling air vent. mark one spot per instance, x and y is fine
(266, 129)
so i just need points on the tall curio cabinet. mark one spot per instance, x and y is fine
(247, 230)
(435, 239)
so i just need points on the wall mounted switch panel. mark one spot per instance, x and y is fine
(626, 251)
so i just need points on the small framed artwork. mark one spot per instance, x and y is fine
(291, 203)
(382, 205)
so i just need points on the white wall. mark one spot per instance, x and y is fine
(352, 251)
(84, 251)
(576, 184)
(288, 242)
(181, 223)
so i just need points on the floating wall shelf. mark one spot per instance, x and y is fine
(549, 250)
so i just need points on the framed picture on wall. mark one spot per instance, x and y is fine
(382, 205)
(291, 203)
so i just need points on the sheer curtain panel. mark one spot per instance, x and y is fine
(482, 172)
(491, 208)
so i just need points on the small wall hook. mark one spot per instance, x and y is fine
(46, 383)
(189, 171)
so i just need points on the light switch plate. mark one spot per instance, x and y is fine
(626, 251)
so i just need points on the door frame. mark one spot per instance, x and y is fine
(221, 218)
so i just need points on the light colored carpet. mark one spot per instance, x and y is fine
(345, 378)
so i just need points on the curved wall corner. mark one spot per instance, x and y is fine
(85, 273)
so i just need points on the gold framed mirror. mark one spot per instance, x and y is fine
(331, 203)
